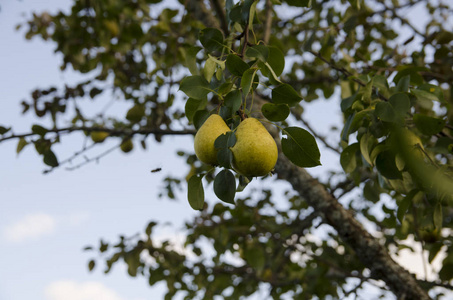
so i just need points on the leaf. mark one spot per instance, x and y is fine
(225, 140)
(243, 182)
(403, 84)
(199, 117)
(195, 192)
(91, 265)
(209, 69)
(4, 130)
(405, 204)
(437, 216)
(248, 11)
(366, 143)
(428, 125)
(255, 257)
(192, 106)
(299, 3)
(385, 163)
(285, 94)
(37, 129)
(424, 95)
(225, 186)
(260, 52)
(276, 60)
(50, 159)
(190, 55)
(401, 103)
(410, 75)
(20, 145)
(225, 157)
(380, 82)
(348, 158)
(211, 39)
(385, 112)
(275, 112)
(236, 65)
(196, 87)
(247, 81)
(233, 100)
(136, 113)
(300, 147)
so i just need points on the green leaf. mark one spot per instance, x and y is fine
(410, 75)
(236, 65)
(4, 130)
(276, 59)
(405, 204)
(248, 11)
(225, 186)
(195, 192)
(190, 56)
(300, 147)
(285, 94)
(243, 182)
(247, 81)
(192, 106)
(233, 100)
(225, 157)
(91, 265)
(275, 112)
(401, 103)
(437, 216)
(424, 95)
(299, 3)
(428, 125)
(403, 84)
(196, 87)
(199, 117)
(385, 112)
(225, 140)
(209, 69)
(211, 39)
(366, 143)
(386, 165)
(20, 145)
(255, 257)
(380, 82)
(348, 158)
(37, 129)
(50, 159)
(260, 52)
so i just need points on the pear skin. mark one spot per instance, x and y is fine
(212, 128)
(255, 152)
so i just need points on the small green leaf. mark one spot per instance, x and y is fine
(276, 60)
(243, 182)
(196, 87)
(348, 158)
(428, 125)
(247, 81)
(20, 145)
(50, 159)
(4, 130)
(233, 100)
(285, 94)
(91, 265)
(225, 186)
(385, 112)
(37, 129)
(195, 192)
(236, 65)
(386, 165)
(192, 106)
(209, 69)
(405, 204)
(225, 157)
(225, 140)
(300, 147)
(401, 103)
(190, 56)
(403, 84)
(211, 39)
(380, 82)
(260, 52)
(199, 117)
(275, 112)
(299, 3)
(366, 143)
(437, 216)
(424, 95)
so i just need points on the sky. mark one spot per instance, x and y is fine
(46, 220)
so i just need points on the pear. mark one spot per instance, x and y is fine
(99, 136)
(212, 128)
(127, 145)
(255, 152)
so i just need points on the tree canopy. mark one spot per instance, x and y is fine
(386, 64)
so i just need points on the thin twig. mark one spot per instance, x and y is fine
(268, 22)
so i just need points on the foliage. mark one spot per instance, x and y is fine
(267, 59)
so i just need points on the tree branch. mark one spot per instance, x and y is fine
(268, 22)
(221, 14)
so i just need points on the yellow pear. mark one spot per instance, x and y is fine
(212, 128)
(255, 152)
(99, 136)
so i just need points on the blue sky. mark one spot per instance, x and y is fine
(46, 220)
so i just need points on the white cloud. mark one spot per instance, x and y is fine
(72, 290)
(30, 227)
